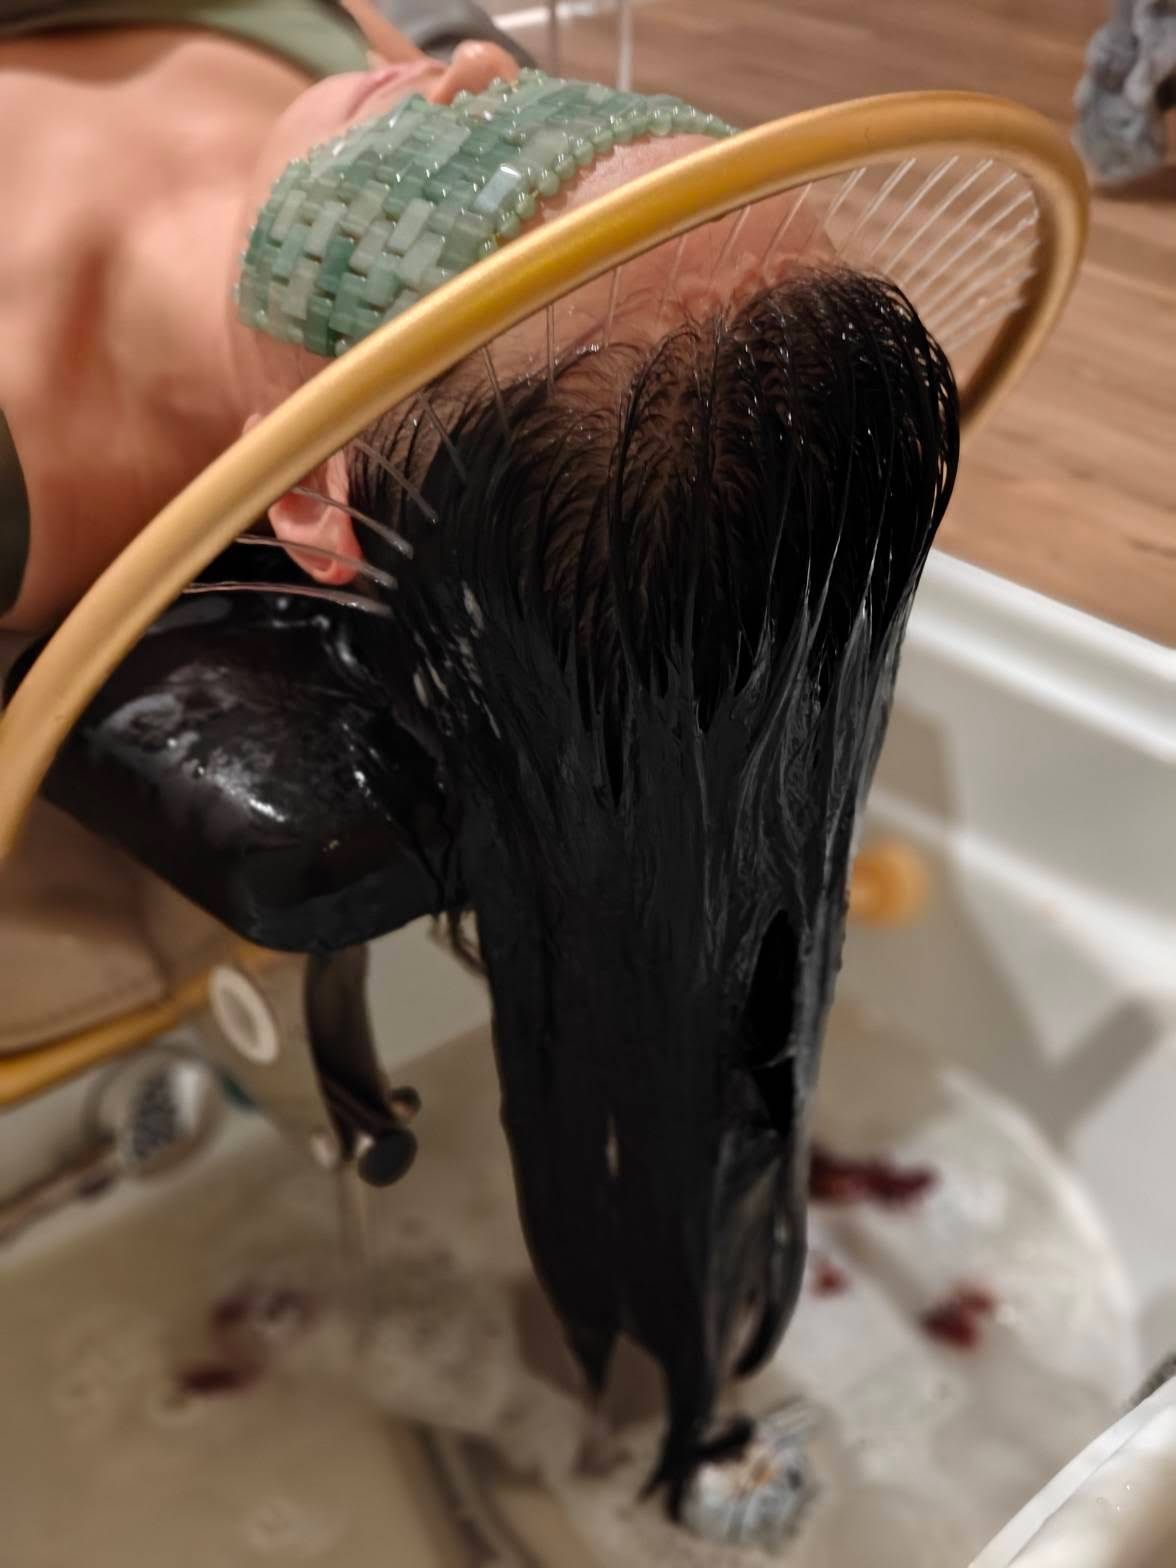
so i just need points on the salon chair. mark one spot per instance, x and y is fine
(96, 955)
(227, 826)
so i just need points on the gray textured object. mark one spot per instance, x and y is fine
(760, 1497)
(438, 26)
(1128, 86)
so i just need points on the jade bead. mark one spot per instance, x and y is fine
(411, 226)
(323, 227)
(383, 281)
(423, 255)
(287, 215)
(316, 335)
(335, 260)
(370, 247)
(302, 286)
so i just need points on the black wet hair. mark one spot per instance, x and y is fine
(650, 633)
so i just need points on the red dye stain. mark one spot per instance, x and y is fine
(231, 1311)
(958, 1319)
(977, 1300)
(217, 1377)
(246, 1327)
(836, 1179)
(262, 1310)
(827, 1278)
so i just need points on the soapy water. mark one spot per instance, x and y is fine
(978, 1330)
(885, 1444)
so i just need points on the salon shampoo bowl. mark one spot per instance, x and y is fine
(1028, 764)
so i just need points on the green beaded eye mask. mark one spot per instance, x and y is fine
(357, 231)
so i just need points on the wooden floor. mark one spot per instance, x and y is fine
(1071, 488)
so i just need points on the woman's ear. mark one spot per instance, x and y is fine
(317, 521)
(475, 64)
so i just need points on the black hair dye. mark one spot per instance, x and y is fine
(651, 642)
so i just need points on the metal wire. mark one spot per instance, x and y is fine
(358, 565)
(405, 484)
(977, 289)
(953, 195)
(889, 186)
(351, 601)
(786, 224)
(928, 185)
(397, 541)
(435, 420)
(499, 401)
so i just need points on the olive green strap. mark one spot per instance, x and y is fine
(14, 520)
(314, 34)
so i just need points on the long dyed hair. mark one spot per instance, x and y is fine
(650, 635)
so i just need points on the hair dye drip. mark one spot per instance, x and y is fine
(657, 730)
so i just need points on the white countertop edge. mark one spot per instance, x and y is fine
(1109, 678)
(1113, 1506)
